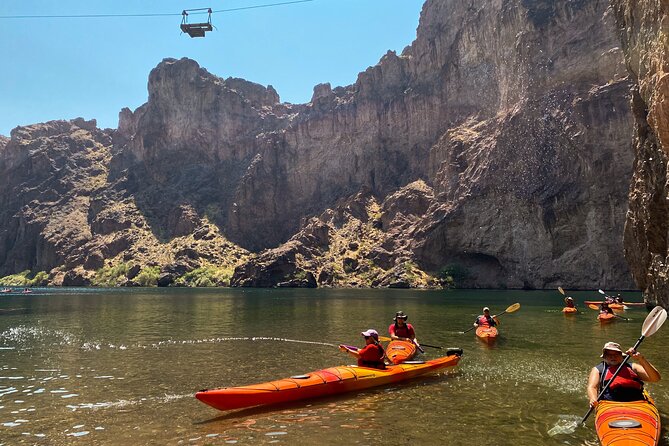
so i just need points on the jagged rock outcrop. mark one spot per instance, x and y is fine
(644, 26)
(497, 143)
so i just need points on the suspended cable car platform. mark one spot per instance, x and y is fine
(195, 29)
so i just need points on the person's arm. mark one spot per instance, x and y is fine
(646, 371)
(393, 336)
(494, 318)
(593, 386)
(349, 349)
(476, 322)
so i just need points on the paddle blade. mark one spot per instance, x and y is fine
(385, 338)
(561, 291)
(512, 308)
(602, 292)
(653, 321)
(593, 306)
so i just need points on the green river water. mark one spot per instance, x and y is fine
(120, 367)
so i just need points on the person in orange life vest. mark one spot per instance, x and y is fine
(569, 302)
(372, 354)
(401, 331)
(628, 385)
(485, 320)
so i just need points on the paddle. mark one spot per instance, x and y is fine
(510, 309)
(595, 307)
(561, 291)
(653, 322)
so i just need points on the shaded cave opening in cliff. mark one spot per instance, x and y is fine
(472, 270)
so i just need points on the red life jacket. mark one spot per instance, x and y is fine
(484, 321)
(626, 378)
(626, 387)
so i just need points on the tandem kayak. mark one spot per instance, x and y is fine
(569, 310)
(606, 317)
(487, 334)
(400, 351)
(636, 423)
(624, 304)
(331, 381)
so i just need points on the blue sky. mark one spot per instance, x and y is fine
(62, 68)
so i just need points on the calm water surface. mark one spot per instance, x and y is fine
(120, 367)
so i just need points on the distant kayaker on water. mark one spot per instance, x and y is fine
(401, 331)
(485, 320)
(372, 354)
(569, 302)
(605, 308)
(628, 385)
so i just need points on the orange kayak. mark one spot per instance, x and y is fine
(486, 334)
(400, 351)
(606, 317)
(334, 380)
(636, 423)
(569, 310)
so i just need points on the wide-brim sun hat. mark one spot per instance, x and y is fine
(611, 346)
(400, 315)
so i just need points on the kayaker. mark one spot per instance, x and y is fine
(619, 299)
(401, 331)
(569, 302)
(485, 320)
(372, 354)
(628, 385)
(605, 308)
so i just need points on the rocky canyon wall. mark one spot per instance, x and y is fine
(644, 30)
(497, 144)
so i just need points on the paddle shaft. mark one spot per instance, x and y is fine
(608, 383)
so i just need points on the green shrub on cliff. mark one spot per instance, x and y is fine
(24, 279)
(148, 276)
(206, 276)
(110, 276)
(453, 275)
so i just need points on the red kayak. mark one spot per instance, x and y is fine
(569, 310)
(324, 382)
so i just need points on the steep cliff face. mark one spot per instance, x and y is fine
(518, 116)
(496, 144)
(644, 26)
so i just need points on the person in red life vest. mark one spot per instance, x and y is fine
(401, 331)
(372, 354)
(569, 302)
(485, 320)
(628, 385)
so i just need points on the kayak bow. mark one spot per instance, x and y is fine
(636, 423)
(400, 351)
